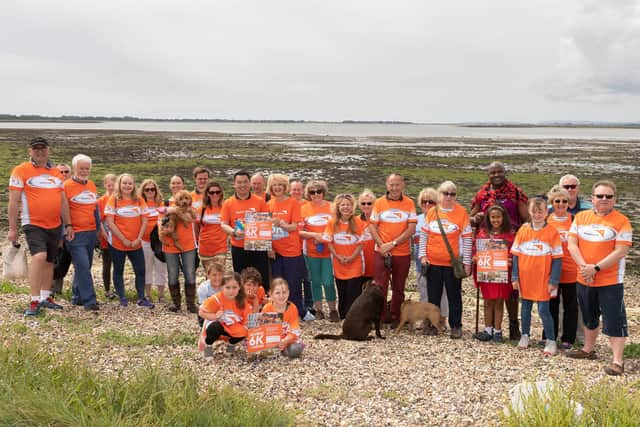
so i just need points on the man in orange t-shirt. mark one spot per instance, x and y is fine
(393, 222)
(201, 177)
(38, 185)
(233, 211)
(296, 191)
(599, 240)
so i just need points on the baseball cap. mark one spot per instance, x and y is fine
(37, 141)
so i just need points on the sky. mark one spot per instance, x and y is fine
(422, 61)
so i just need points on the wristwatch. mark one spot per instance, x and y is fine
(596, 267)
(395, 243)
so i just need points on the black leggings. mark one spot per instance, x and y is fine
(215, 330)
(570, 315)
(106, 268)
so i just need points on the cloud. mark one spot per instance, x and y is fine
(597, 59)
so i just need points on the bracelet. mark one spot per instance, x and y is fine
(68, 225)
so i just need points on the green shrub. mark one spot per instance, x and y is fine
(39, 389)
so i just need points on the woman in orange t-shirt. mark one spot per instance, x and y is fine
(155, 269)
(126, 219)
(226, 314)
(365, 201)
(109, 182)
(343, 234)
(287, 261)
(212, 242)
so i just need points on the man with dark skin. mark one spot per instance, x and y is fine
(500, 191)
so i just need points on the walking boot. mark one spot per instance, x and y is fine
(176, 298)
(190, 297)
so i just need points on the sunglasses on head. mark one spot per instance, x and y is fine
(429, 202)
(563, 201)
(214, 192)
(366, 203)
(314, 192)
(604, 196)
(570, 186)
(149, 190)
(449, 193)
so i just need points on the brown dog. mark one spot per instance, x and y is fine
(364, 314)
(183, 213)
(413, 311)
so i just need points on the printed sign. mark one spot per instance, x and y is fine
(264, 334)
(257, 231)
(492, 261)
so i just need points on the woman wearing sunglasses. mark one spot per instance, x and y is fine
(212, 243)
(561, 219)
(365, 201)
(155, 270)
(435, 256)
(316, 215)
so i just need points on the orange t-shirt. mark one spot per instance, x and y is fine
(290, 320)
(345, 243)
(41, 194)
(186, 237)
(535, 250)
(569, 267)
(392, 217)
(316, 219)
(127, 216)
(102, 203)
(212, 240)
(196, 201)
(234, 319)
(259, 299)
(368, 249)
(456, 226)
(234, 209)
(597, 237)
(82, 199)
(287, 210)
(152, 215)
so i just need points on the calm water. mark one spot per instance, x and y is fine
(353, 130)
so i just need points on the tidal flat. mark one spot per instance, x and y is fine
(348, 163)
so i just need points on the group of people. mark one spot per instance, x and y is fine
(322, 250)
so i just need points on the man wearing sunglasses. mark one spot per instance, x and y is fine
(599, 240)
(571, 183)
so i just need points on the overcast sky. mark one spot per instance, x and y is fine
(423, 61)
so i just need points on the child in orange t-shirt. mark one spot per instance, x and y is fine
(289, 343)
(251, 281)
(536, 268)
(226, 314)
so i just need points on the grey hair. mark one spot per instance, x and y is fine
(80, 158)
(568, 176)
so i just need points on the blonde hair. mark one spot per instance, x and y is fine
(116, 191)
(278, 281)
(215, 266)
(556, 191)
(445, 186)
(158, 197)
(427, 192)
(336, 212)
(316, 183)
(278, 178)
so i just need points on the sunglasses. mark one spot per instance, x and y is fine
(570, 186)
(214, 192)
(65, 172)
(366, 203)
(449, 193)
(314, 192)
(430, 202)
(604, 196)
(149, 190)
(564, 202)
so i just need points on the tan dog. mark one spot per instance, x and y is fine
(183, 213)
(413, 311)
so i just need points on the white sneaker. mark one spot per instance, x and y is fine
(308, 317)
(551, 349)
(208, 351)
(524, 342)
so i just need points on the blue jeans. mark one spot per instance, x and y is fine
(188, 262)
(293, 270)
(81, 250)
(136, 257)
(545, 315)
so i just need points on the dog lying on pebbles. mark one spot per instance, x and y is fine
(414, 311)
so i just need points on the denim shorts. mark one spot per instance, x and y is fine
(605, 300)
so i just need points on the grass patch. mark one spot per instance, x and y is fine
(607, 403)
(141, 340)
(10, 288)
(632, 351)
(150, 396)
(327, 392)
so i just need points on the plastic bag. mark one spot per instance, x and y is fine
(14, 260)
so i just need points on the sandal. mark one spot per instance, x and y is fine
(581, 354)
(614, 369)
